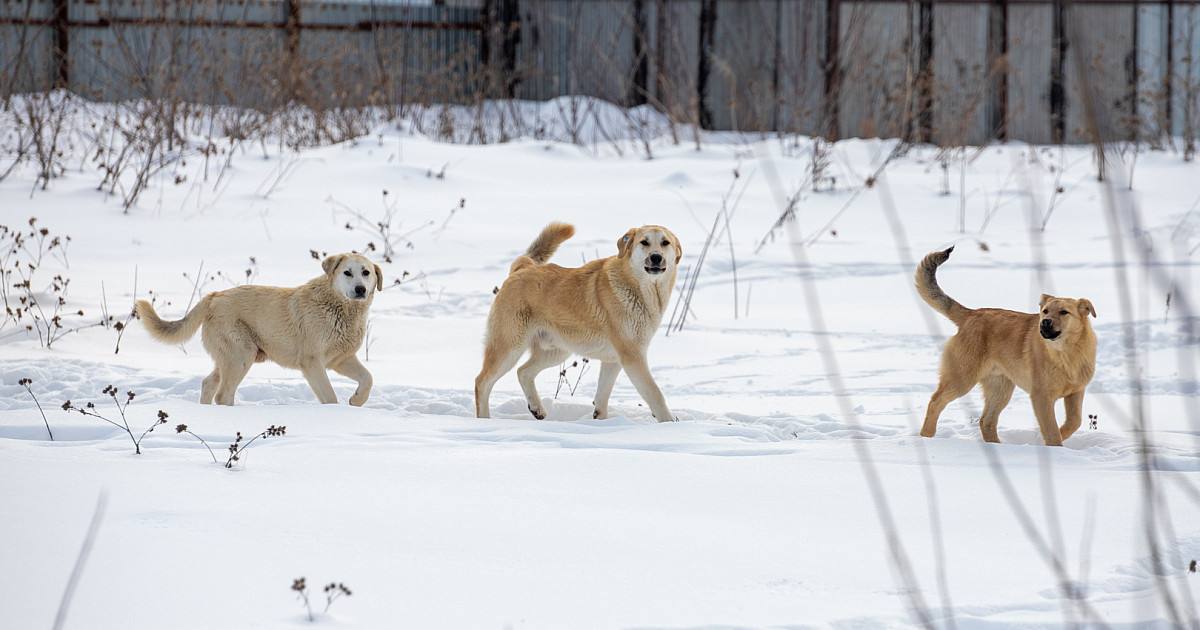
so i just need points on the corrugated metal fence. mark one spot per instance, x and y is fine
(952, 72)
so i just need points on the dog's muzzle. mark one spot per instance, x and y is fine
(360, 292)
(1048, 331)
(654, 264)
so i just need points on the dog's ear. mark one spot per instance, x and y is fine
(625, 243)
(1086, 308)
(378, 278)
(1046, 297)
(677, 244)
(331, 263)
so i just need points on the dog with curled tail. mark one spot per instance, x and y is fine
(1050, 355)
(317, 326)
(609, 309)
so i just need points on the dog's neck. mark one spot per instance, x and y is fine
(351, 309)
(652, 295)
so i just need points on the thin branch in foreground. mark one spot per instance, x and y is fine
(26, 382)
(64, 604)
(904, 574)
(183, 428)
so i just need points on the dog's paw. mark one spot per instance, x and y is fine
(357, 401)
(540, 414)
(599, 414)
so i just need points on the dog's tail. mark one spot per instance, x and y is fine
(177, 331)
(544, 246)
(933, 295)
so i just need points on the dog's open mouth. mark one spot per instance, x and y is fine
(655, 270)
(1051, 334)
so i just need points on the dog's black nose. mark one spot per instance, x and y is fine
(360, 290)
(1047, 324)
(656, 259)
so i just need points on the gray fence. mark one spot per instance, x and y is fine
(950, 72)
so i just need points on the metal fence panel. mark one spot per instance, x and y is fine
(763, 67)
(876, 59)
(961, 95)
(1030, 60)
(1101, 45)
(26, 59)
(1185, 77)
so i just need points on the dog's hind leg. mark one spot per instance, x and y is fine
(233, 368)
(959, 372)
(208, 387)
(609, 370)
(498, 358)
(948, 391)
(997, 391)
(540, 358)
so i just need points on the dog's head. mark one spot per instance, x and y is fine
(1063, 318)
(353, 276)
(652, 251)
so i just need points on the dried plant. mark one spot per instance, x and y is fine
(32, 304)
(90, 409)
(386, 233)
(183, 428)
(333, 592)
(239, 446)
(26, 383)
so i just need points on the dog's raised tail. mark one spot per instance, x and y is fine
(933, 295)
(544, 246)
(172, 332)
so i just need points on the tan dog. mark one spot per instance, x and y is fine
(608, 309)
(313, 327)
(1050, 356)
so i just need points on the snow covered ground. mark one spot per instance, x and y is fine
(753, 510)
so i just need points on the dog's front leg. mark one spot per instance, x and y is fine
(609, 371)
(1043, 409)
(1074, 405)
(318, 380)
(350, 367)
(634, 362)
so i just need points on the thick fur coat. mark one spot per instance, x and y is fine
(1050, 355)
(608, 309)
(317, 326)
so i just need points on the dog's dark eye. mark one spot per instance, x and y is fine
(366, 273)
(348, 274)
(1062, 312)
(645, 243)
(1045, 311)
(666, 243)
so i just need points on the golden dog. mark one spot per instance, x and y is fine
(608, 309)
(313, 327)
(1050, 355)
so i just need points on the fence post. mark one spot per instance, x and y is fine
(997, 67)
(661, 32)
(708, 25)
(291, 44)
(1168, 74)
(637, 89)
(62, 44)
(833, 75)
(925, 73)
(1058, 103)
(1132, 70)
